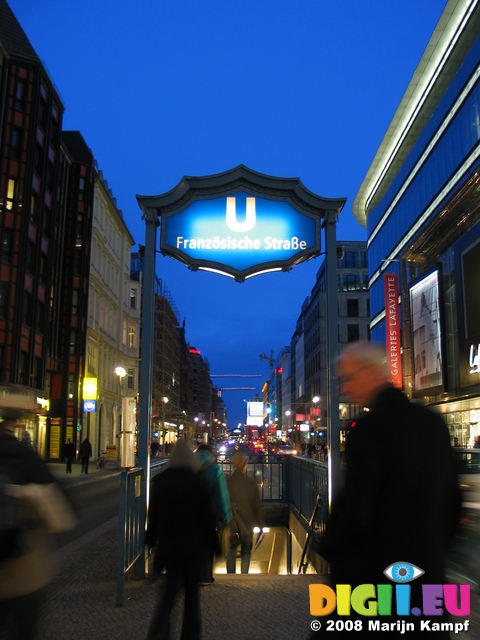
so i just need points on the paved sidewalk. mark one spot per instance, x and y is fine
(59, 472)
(81, 602)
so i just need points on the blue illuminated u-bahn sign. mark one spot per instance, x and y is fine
(240, 223)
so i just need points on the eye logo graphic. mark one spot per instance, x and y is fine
(403, 572)
(372, 600)
(250, 217)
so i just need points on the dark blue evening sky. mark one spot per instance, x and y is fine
(160, 89)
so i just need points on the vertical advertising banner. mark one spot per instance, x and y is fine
(392, 324)
(425, 310)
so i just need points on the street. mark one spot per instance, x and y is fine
(95, 500)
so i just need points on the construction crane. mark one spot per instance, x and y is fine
(270, 359)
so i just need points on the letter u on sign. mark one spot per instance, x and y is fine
(232, 222)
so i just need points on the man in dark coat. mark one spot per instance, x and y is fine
(85, 454)
(183, 528)
(69, 453)
(400, 501)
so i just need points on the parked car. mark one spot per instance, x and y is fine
(468, 469)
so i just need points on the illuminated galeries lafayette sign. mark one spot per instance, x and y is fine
(241, 223)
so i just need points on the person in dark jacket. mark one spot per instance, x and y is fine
(182, 528)
(40, 508)
(69, 453)
(246, 513)
(400, 501)
(217, 485)
(85, 454)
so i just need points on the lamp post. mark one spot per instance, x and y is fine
(315, 401)
(333, 422)
(288, 413)
(121, 373)
(195, 435)
(164, 402)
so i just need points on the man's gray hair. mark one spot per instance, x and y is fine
(367, 354)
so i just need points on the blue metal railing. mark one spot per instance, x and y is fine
(293, 481)
(131, 532)
(305, 480)
(268, 473)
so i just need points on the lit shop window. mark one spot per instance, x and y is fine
(132, 336)
(10, 194)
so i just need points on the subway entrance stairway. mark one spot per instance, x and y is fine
(81, 602)
(265, 604)
(271, 556)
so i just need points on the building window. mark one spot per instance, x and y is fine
(81, 189)
(350, 259)
(130, 379)
(353, 332)
(91, 359)
(41, 314)
(34, 208)
(77, 263)
(6, 246)
(124, 337)
(27, 310)
(352, 308)
(50, 177)
(20, 96)
(39, 160)
(38, 370)
(3, 299)
(24, 369)
(75, 302)
(10, 193)
(15, 145)
(73, 341)
(132, 334)
(351, 283)
(79, 227)
(42, 114)
(133, 298)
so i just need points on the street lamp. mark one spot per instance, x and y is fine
(196, 429)
(124, 434)
(288, 413)
(315, 400)
(164, 402)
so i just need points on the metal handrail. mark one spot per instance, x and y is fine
(294, 481)
(305, 480)
(131, 532)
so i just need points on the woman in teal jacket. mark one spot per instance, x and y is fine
(217, 484)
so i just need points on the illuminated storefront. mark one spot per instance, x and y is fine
(420, 203)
